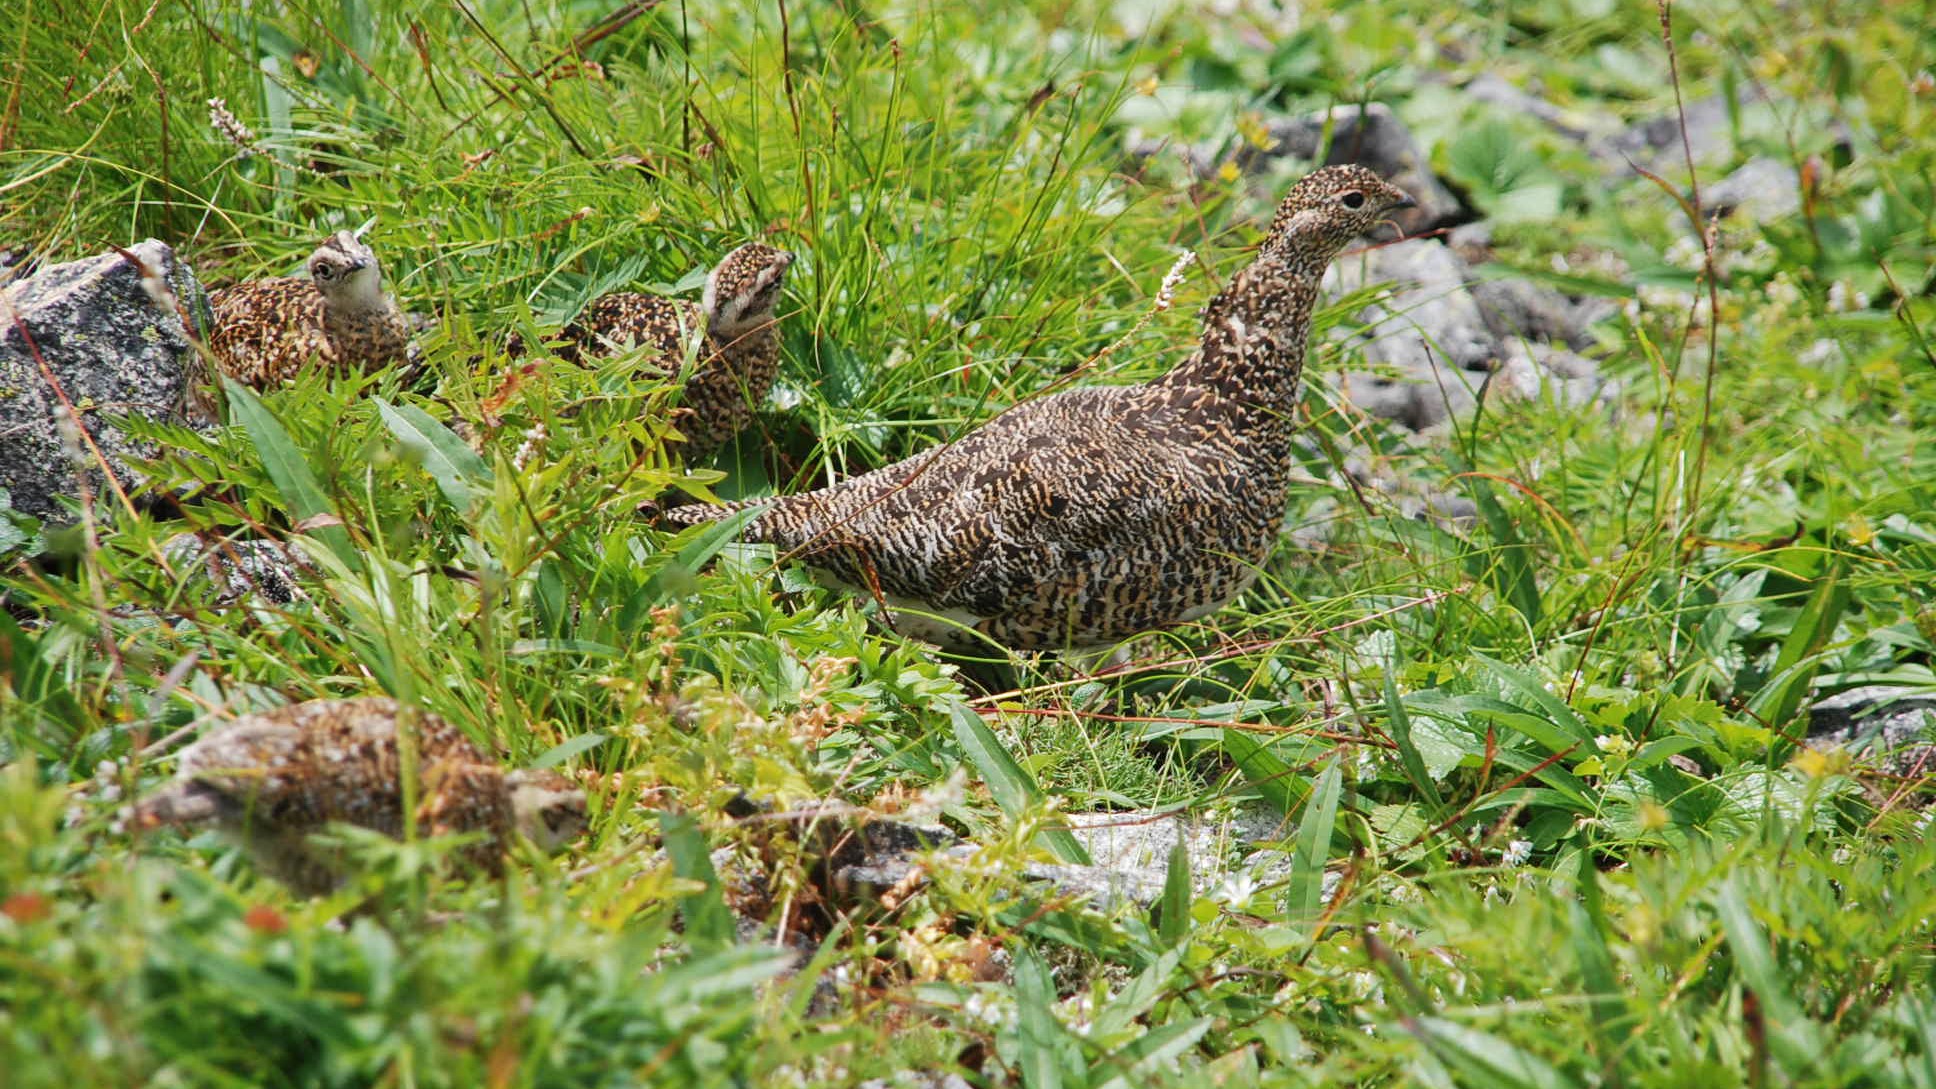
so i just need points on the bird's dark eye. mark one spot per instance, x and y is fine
(1353, 199)
(324, 272)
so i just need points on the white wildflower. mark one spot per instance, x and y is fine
(1685, 253)
(232, 129)
(1174, 279)
(1235, 890)
(1517, 852)
(1844, 297)
(532, 440)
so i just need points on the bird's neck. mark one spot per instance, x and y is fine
(357, 303)
(1251, 353)
(744, 338)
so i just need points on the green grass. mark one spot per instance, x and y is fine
(1549, 760)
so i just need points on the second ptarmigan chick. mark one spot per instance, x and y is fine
(730, 334)
(271, 780)
(268, 331)
(1082, 518)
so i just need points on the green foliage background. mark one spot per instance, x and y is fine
(1544, 816)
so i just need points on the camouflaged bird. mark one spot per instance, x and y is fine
(270, 780)
(1079, 519)
(730, 336)
(268, 331)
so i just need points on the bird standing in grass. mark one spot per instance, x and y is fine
(1077, 520)
(267, 331)
(729, 335)
(273, 779)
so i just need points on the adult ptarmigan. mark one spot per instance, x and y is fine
(267, 331)
(270, 780)
(1077, 520)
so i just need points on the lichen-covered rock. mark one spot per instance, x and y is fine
(1886, 726)
(114, 350)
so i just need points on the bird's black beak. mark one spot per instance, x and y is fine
(1404, 201)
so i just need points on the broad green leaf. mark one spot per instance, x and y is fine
(699, 544)
(460, 474)
(1039, 1031)
(1305, 895)
(1537, 695)
(302, 494)
(1013, 788)
(1793, 1038)
(1173, 907)
(1151, 1053)
(709, 923)
(1487, 1060)
(1400, 725)
(568, 748)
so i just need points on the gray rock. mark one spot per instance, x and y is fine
(1428, 344)
(1373, 137)
(1129, 853)
(1886, 724)
(1761, 188)
(1514, 307)
(113, 349)
(1532, 369)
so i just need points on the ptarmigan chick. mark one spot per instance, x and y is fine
(267, 331)
(730, 336)
(1079, 519)
(270, 780)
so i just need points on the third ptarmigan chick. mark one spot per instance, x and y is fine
(267, 331)
(730, 333)
(1079, 519)
(270, 780)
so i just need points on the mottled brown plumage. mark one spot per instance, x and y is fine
(729, 337)
(273, 779)
(1079, 519)
(267, 331)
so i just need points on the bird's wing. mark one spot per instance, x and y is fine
(265, 329)
(661, 329)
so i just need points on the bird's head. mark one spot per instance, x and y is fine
(743, 289)
(1329, 208)
(346, 272)
(549, 808)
